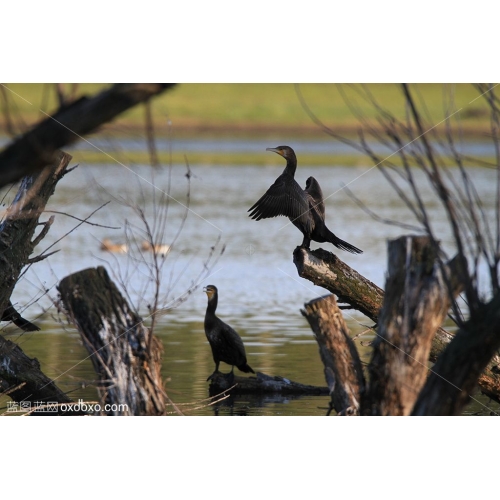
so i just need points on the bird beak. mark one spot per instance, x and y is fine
(205, 289)
(275, 150)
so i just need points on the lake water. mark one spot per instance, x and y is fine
(260, 294)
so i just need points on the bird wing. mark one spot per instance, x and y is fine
(284, 197)
(315, 197)
(232, 345)
(317, 210)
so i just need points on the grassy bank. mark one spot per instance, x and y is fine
(273, 111)
(261, 108)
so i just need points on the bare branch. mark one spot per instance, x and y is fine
(38, 147)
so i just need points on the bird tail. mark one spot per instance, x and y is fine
(245, 368)
(343, 245)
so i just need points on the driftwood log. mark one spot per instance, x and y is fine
(38, 147)
(326, 270)
(125, 355)
(343, 370)
(261, 384)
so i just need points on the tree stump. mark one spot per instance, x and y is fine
(415, 305)
(343, 370)
(125, 355)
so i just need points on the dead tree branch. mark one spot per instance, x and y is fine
(18, 227)
(38, 147)
(150, 135)
(22, 379)
(16, 245)
(326, 270)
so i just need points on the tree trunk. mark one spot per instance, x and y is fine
(125, 356)
(454, 376)
(22, 219)
(343, 370)
(416, 303)
(20, 376)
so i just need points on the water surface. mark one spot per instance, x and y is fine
(260, 294)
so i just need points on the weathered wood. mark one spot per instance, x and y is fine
(38, 147)
(10, 314)
(456, 372)
(416, 303)
(21, 220)
(261, 384)
(342, 365)
(22, 378)
(326, 270)
(125, 356)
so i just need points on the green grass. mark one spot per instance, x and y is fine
(260, 107)
(266, 110)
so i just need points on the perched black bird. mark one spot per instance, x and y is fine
(226, 344)
(304, 208)
(10, 314)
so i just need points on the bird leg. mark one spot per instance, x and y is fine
(213, 375)
(230, 376)
(215, 371)
(306, 242)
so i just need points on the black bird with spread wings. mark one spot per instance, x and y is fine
(304, 208)
(226, 344)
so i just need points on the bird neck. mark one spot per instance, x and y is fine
(212, 305)
(291, 166)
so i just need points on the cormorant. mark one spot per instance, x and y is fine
(226, 344)
(304, 208)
